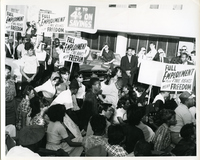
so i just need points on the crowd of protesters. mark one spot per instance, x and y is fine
(114, 117)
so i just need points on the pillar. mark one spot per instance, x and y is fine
(121, 44)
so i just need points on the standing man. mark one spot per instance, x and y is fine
(8, 47)
(151, 54)
(160, 56)
(184, 59)
(177, 59)
(128, 65)
(141, 55)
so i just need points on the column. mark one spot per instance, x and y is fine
(121, 44)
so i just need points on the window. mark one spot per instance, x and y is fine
(96, 41)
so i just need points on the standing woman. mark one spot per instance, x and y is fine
(29, 66)
(41, 55)
(10, 95)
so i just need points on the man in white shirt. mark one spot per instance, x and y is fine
(151, 54)
(159, 100)
(20, 48)
(183, 115)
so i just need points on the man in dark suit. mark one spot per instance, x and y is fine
(160, 56)
(8, 47)
(184, 59)
(128, 65)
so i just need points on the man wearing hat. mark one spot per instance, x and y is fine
(183, 115)
(29, 138)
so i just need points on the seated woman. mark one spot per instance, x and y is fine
(111, 88)
(36, 114)
(120, 115)
(24, 107)
(9, 97)
(64, 83)
(107, 55)
(57, 133)
(162, 138)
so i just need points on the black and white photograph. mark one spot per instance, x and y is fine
(99, 78)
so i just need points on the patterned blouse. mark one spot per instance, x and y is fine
(10, 90)
(162, 138)
(24, 106)
(93, 141)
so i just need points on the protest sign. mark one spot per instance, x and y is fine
(15, 22)
(74, 49)
(82, 18)
(72, 126)
(178, 77)
(52, 23)
(151, 72)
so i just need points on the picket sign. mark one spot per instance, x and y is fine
(178, 77)
(15, 22)
(72, 126)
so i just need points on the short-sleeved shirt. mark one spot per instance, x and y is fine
(120, 112)
(55, 133)
(21, 49)
(108, 56)
(183, 116)
(148, 132)
(30, 64)
(41, 55)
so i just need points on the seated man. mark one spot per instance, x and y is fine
(183, 115)
(30, 141)
(29, 138)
